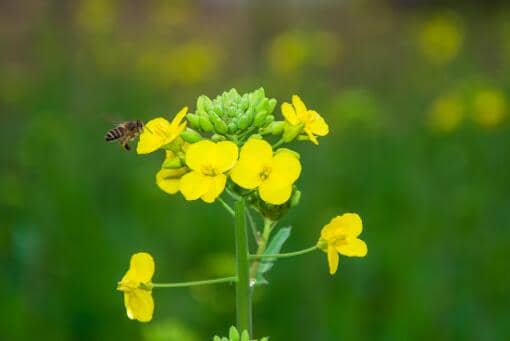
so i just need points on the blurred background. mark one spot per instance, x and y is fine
(417, 97)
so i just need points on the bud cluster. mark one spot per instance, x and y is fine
(230, 116)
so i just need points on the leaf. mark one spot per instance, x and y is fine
(274, 246)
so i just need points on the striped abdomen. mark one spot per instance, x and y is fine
(115, 133)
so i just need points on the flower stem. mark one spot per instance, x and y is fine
(284, 255)
(243, 290)
(226, 206)
(231, 279)
(262, 243)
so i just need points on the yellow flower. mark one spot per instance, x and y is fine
(272, 174)
(159, 132)
(207, 161)
(169, 179)
(297, 113)
(340, 237)
(137, 287)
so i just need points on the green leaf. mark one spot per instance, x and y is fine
(274, 246)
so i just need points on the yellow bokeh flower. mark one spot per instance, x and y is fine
(490, 107)
(273, 175)
(137, 287)
(340, 236)
(159, 132)
(208, 162)
(297, 113)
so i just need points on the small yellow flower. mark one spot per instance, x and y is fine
(297, 113)
(272, 174)
(207, 161)
(340, 237)
(159, 132)
(137, 287)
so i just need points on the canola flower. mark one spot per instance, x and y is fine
(137, 287)
(272, 174)
(232, 153)
(297, 115)
(340, 236)
(208, 162)
(159, 132)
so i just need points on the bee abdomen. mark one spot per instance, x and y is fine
(113, 134)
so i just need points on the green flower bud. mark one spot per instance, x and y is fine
(219, 126)
(271, 104)
(172, 163)
(191, 136)
(204, 103)
(194, 121)
(276, 128)
(233, 334)
(269, 119)
(218, 138)
(291, 131)
(205, 124)
(232, 127)
(245, 121)
(260, 118)
(296, 197)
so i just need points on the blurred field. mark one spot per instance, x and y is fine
(417, 98)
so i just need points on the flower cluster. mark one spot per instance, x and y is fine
(224, 147)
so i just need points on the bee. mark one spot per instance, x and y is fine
(125, 132)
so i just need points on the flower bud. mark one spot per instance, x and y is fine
(218, 138)
(291, 131)
(276, 128)
(194, 121)
(173, 163)
(206, 124)
(191, 136)
(232, 127)
(204, 103)
(260, 118)
(269, 119)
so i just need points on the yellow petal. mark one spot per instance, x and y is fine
(224, 156)
(353, 248)
(193, 185)
(216, 187)
(349, 224)
(142, 264)
(274, 193)
(245, 175)
(169, 179)
(286, 168)
(289, 114)
(311, 136)
(318, 125)
(299, 105)
(139, 305)
(154, 136)
(332, 260)
(257, 153)
(197, 155)
(176, 122)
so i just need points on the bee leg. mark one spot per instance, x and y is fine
(126, 146)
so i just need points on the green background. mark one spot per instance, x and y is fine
(416, 95)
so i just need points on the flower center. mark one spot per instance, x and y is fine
(208, 170)
(264, 174)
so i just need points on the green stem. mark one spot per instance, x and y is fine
(279, 143)
(231, 279)
(284, 255)
(243, 290)
(253, 225)
(266, 232)
(226, 206)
